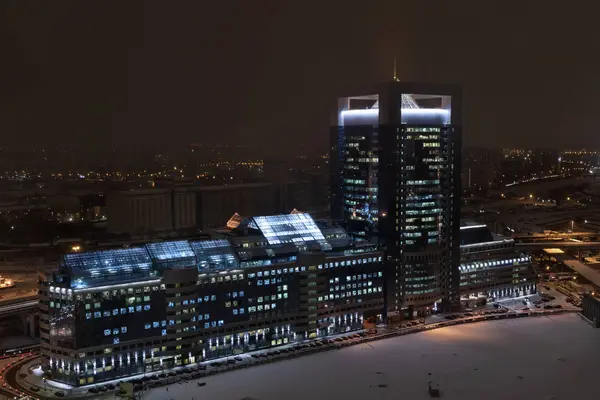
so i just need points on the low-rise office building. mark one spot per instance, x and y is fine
(492, 267)
(272, 280)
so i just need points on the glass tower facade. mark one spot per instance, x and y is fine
(408, 193)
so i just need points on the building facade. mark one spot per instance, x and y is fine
(492, 267)
(395, 178)
(591, 309)
(272, 280)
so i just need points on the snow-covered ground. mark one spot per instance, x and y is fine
(545, 358)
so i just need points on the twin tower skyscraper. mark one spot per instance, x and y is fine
(395, 179)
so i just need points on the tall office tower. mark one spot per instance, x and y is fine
(395, 159)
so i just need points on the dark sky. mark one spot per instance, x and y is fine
(168, 73)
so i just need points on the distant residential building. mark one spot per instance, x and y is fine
(139, 212)
(92, 207)
(162, 211)
(215, 204)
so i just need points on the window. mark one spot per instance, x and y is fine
(123, 329)
(116, 340)
(164, 332)
(107, 332)
(97, 314)
(147, 307)
(88, 315)
(155, 324)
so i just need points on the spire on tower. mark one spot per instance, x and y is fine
(395, 76)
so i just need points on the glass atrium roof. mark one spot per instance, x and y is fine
(170, 251)
(291, 228)
(214, 254)
(285, 235)
(107, 264)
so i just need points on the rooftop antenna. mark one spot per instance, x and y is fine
(395, 76)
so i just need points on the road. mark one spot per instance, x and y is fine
(10, 308)
(26, 285)
(554, 243)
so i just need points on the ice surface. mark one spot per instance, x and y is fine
(542, 358)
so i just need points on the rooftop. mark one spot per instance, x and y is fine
(474, 234)
(255, 240)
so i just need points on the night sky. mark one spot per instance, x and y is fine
(120, 73)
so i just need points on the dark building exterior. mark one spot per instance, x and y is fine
(395, 178)
(492, 267)
(591, 310)
(272, 280)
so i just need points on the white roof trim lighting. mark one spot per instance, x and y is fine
(472, 227)
(406, 112)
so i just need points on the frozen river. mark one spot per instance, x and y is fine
(542, 358)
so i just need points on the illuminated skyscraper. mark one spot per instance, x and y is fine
(395, 157)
